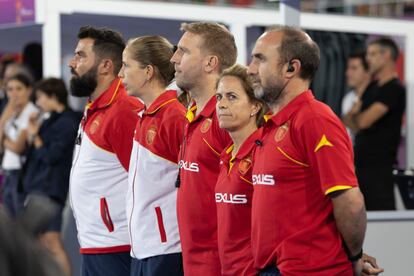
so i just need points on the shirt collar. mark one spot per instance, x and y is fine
(284, 115)
(208, 110)
(162, 100)
(108, 96)
(245, 148)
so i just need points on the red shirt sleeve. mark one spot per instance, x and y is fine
(122, 133)
(329, 152)
(174, 132)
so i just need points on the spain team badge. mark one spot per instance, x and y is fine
(150, 136)
(281, 132)
(205, 126)
(245, 165)
(95, 124)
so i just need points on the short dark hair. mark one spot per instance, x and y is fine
(360, 54)
(107, 44)
(53, 87)
(388, 43)
(23, 78)
(296, 44)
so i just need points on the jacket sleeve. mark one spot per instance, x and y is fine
(122, 133)
(60, 137)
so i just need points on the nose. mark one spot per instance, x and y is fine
(252, 69)
(221, 104)
(174, 59)
(72, 63)
(121, 72)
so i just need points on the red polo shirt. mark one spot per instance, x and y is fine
(305, 155)
(234, 192)
(196, 207)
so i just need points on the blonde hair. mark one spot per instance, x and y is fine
(217, 40)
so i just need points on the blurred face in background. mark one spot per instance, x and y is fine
(356, 74)
(377, 58)
(45, 102)
(18, 93)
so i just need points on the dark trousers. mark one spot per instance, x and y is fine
(12, 198)
(112, 264)
(162, 265)
(270, 271)
(377, 186)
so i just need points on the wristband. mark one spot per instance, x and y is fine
(356, 257)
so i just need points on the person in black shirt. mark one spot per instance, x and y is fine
(377, 118)
(49, 158)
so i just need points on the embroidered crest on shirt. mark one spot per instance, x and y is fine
(151, 133)
(322, 143)
(95, 124)
(205, 126)
(245, 165)
(281, 132)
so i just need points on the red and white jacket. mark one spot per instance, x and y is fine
(153, 170)
(99, 177)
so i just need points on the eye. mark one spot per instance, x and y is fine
(232, 97)
(218, 97)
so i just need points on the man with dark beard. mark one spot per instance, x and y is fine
(307, 206)
(99, 176)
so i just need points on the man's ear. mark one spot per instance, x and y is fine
(211, 63)
(106, 67)
(293, 68)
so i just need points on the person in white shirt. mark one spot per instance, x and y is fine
(358, 78)
(13, 124)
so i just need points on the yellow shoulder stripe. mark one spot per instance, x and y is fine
(190, 113)
(266, 117)
(323, 142)
(337, 188)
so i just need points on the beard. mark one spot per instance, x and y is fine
(184, 83)
(83, 86)
(189, 80)
(271, 93)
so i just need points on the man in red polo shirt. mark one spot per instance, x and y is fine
(308, 214)
(198, 62)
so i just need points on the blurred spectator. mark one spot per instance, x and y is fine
(13, 124)
(358, 78)
(377, 117)
(32, 58)
(11, 68)
(49, 157)
(20, 254)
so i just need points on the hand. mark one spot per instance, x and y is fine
(370, 266)
(357, 267)
(33, 127)
(8, 112)
(356, 107)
